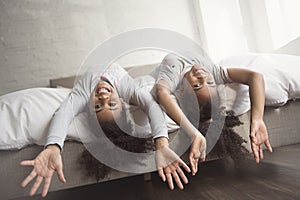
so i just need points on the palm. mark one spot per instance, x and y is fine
(45, 164)
(165, 157)
(169, 166)
(260, 133)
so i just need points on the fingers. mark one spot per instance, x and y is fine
(29, 178)
(194, 163)
(258, 150)
(184, 165)
(177, 180)
(268, 145)
(182, 175)
(178, 175)
(202, 156)
(170, 181)
(162, 175)
(46, 187)
(60, 175)
(261, 155)
(174, 172)
(27, 163)
(255, 152)
(36, 185)
(191, 158)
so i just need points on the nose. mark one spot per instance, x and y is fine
(199, 76)
(102, 100)
(200, 72)
(103, 97)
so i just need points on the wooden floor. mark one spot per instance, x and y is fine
(277, 177)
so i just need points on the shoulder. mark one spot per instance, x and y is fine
(173, 62)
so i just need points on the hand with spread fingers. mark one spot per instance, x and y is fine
(258, 137)
(170, 165)
(197, 151)
(44, 165)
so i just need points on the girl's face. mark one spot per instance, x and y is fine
(202, 82)
(107, 103)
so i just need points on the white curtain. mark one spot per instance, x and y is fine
(283, 17)
(239, 26)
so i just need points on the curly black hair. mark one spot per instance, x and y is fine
(118, 131)
(229, 143)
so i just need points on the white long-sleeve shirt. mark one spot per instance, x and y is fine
(127, 89)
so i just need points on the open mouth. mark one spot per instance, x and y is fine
(102, 90)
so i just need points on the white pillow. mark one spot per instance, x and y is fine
(281, 73)
(234, 97)
(25, 116)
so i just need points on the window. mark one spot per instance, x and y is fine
(283, 17)
(239, 26)
(223, 27)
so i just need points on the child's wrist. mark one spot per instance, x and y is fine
(256, 119)
(53, 147)
(161, 142)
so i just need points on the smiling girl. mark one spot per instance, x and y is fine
(106, 91)
(199, 74)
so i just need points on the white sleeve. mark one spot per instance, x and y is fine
(133, 94)
(219, 73)
(73, 105)
(170, 71)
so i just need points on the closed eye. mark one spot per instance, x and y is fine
(112, 104)
(210, 83)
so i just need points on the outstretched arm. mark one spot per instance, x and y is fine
(258, 130)
(49, 160)
(169, 165)
(198, 147)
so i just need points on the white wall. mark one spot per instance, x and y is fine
(44, 39)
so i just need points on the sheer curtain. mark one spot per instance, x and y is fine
(283, 16)
(223, 27)
(239, 26)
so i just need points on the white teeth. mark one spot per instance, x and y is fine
(103, 90)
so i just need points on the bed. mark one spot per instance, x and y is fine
(283, 126)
